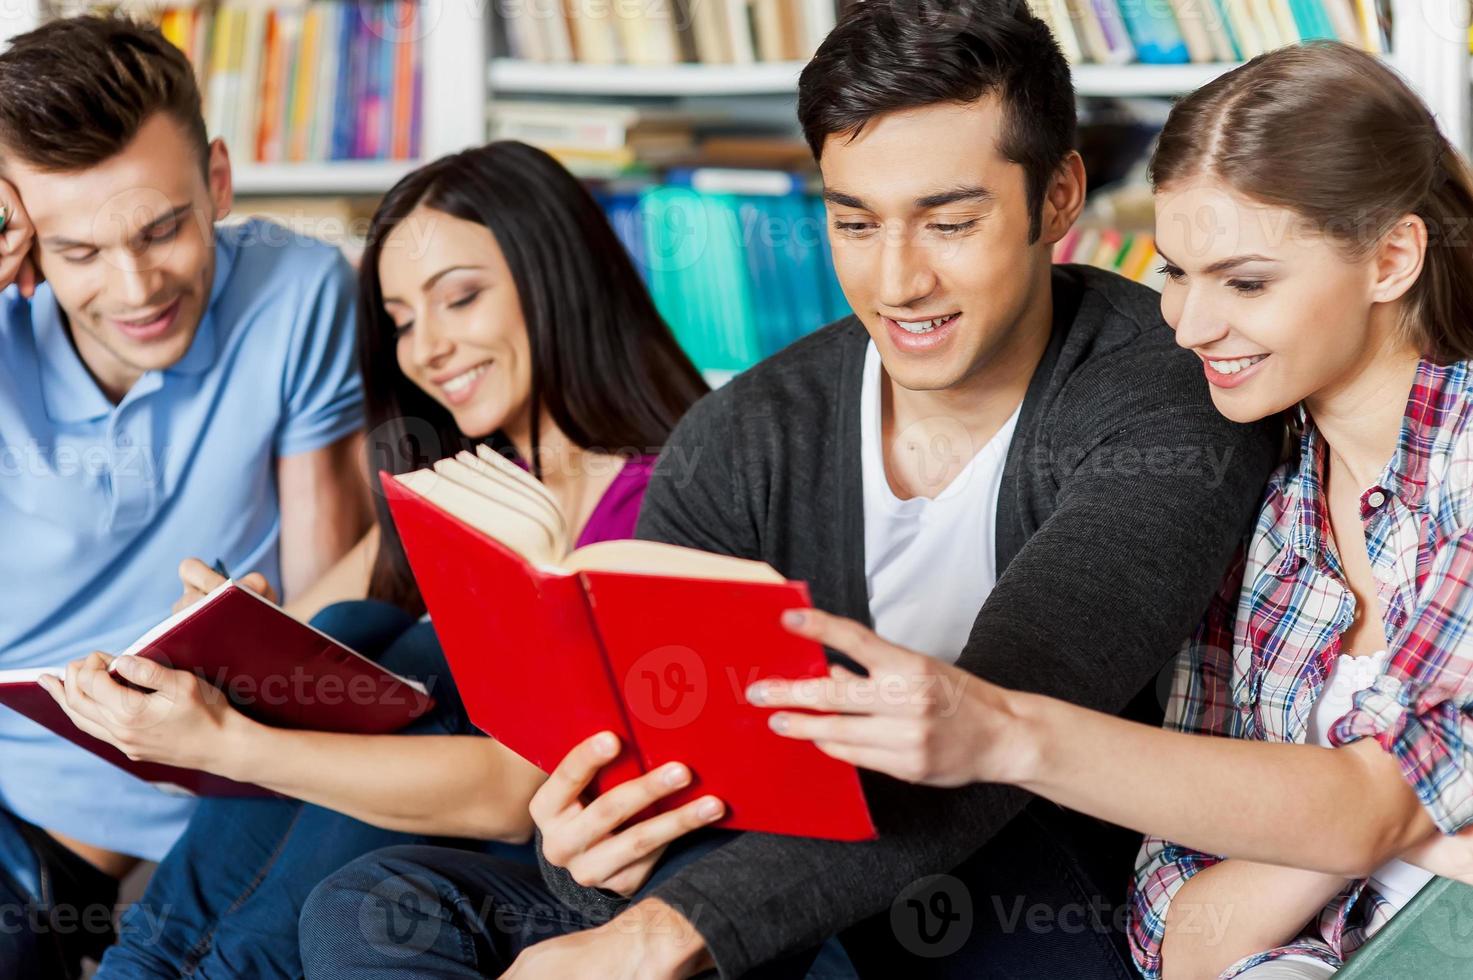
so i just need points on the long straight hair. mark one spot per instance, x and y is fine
(1329, 132)
(605, 367)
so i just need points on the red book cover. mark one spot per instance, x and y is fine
(545, 658)
(273, 668)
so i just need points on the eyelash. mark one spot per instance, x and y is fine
(945, 229)
(1244, 287)
(458, 304)
(158, 236)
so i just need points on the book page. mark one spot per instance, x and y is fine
(508, 502)
(518, 475)
(541, 503)
(656, 558)
(518, 531)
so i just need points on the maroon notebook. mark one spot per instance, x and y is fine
(275, 669)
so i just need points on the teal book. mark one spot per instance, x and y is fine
(698, 276)
(1312, 19)
(1154, 32)
(1430, 939)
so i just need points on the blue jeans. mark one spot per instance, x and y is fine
(1027, 905)
(55, 908)
(224, 903)
(429, 911)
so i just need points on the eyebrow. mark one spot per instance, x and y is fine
(429, 283)
(61, 243)
(1223, 265)
(956, 195)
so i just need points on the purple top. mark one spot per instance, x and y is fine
(618, 509)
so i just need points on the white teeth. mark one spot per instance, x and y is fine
(462, 382)
(1233, 367)
(926, 326)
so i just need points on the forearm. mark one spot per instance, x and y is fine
(1235, 909)
(1244, 799)
(325, 511)
(346, 581)
(444, 785)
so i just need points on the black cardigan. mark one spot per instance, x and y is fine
(1123, 497)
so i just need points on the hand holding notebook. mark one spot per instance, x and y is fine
(652, 642)
(234, 651)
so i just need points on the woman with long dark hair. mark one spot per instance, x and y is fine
(496, 307)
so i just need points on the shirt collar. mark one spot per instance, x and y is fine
(1435, 396)
(68, 389)
(1432, 401)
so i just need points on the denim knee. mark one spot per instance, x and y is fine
(380, 907)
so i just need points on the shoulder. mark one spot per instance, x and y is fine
(795, 389)
(1119, 353)
(265, 255)
(1449, 444)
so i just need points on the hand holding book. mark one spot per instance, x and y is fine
(650, 642)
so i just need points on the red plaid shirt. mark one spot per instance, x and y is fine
(1261, 656)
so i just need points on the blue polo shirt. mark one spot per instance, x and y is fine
(100, 502)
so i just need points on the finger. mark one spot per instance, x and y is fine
(257, 583)
(152, 675)
(632, 878)
(871, 758)
(618, 806)
(610, 858)
(120, 703)
(566, 783)
(856, 730)
(847, 695)
(78, 701)
(845, 636)
(54, 686)
(200, 577)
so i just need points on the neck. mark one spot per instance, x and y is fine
(113, 377)
(564, 464)
(1361, 416)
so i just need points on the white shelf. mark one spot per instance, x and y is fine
(515, 77)
(335, 177)
(1143, 80)
(511, 76)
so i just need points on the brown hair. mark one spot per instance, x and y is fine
(1329, 132)
(77, 90)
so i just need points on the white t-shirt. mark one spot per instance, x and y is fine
(929, 564)
(1397, 881)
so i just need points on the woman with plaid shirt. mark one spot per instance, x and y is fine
(1315, 227)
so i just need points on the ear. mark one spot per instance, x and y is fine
(1399, 258)
(222, 187)
(1064, 199)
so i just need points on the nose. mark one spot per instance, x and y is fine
(906, 277)
(1193, 317)
(136, 280)
(430, 346)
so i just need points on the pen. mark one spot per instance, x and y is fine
(219, 568)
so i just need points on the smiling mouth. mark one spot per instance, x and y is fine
(462, 382)
(925, 326)
(1235, 366)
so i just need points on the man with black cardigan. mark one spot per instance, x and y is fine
(988, 433)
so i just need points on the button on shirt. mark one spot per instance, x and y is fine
(100, 502)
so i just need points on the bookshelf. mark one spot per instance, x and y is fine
(461, 78)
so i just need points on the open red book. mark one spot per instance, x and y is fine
(650, 641)
(274, 668)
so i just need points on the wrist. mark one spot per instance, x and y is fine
(241, 748)
(1015, 750)
(669, 945)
